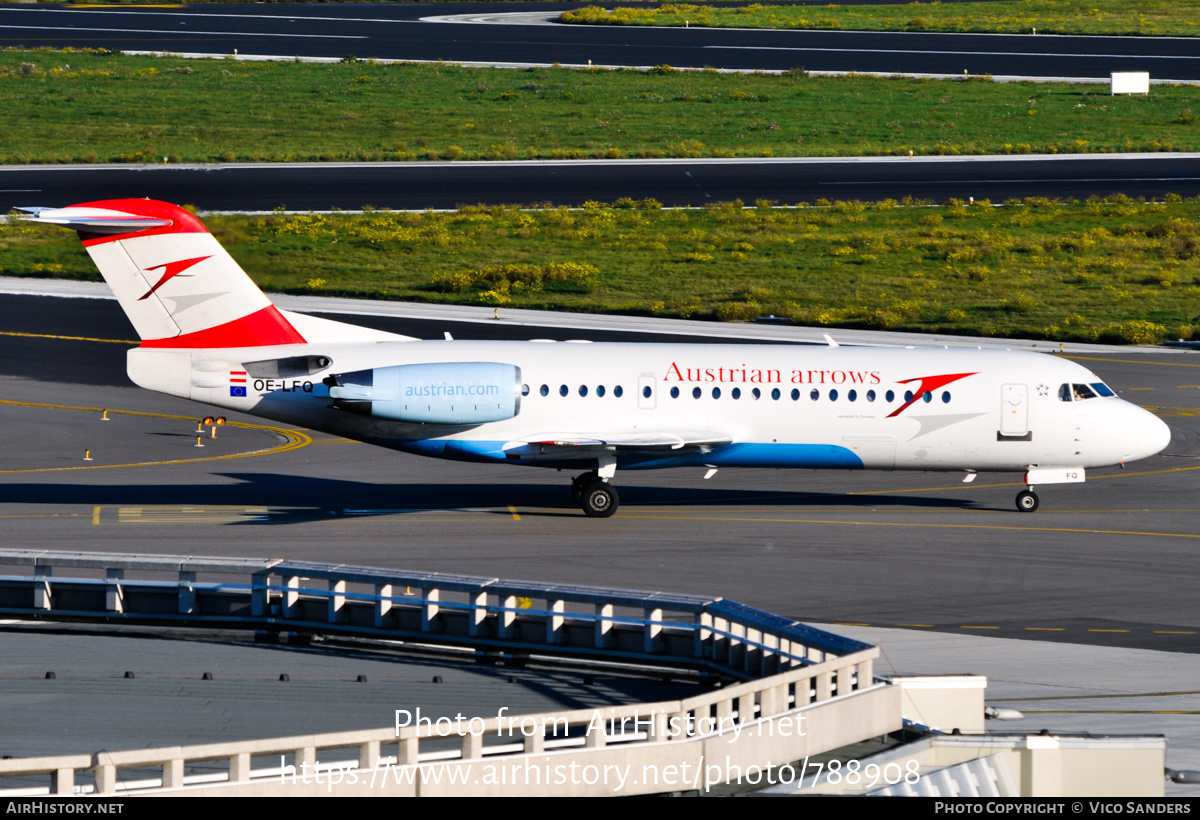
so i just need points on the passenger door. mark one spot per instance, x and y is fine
(1014, 410)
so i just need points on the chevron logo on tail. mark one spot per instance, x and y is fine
(172, 269)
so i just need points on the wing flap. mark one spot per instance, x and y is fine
(675, 442)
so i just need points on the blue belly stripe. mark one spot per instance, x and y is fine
(746, 454)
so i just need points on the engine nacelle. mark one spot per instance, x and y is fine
(446, 393)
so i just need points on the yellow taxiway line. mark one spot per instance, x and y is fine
(294, 440)
(68, 338)
(747, 520)
(1122, 474)
(1127, 361)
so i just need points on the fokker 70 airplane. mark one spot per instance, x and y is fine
(210, 335)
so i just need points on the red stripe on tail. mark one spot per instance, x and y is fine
(260, 329)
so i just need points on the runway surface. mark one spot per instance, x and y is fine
(350, 186)
(397, 32)
(1106, 563)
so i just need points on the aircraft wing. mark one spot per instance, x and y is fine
(674, 443)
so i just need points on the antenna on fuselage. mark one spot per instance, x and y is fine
(830, 340)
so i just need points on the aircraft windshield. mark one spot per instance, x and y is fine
(1083, 392)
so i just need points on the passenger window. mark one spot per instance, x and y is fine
(852, 395)
(890, 396)
(833, 395)
(697, 392)
(736, 393)
(775, 394)
(524, 390)
(815, 394)
(583, 390)
(908, 395)
(562, 391)
(646, 391)
(618, 390)
(716, 392)
(795, 395)
(870, 395)
(600, 391)
(927, 397)
(945, 397)
(756, 393)
(674, 392)
(545, 391)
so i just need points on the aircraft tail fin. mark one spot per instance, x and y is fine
(176, 283)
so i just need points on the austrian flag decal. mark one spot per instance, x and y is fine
(237, 384)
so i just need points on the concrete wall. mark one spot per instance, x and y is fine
(626, 769)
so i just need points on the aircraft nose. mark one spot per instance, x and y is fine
(1157, 435)
(1146, 434)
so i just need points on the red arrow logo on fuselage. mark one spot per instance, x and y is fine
(927, 385)
(170, 271)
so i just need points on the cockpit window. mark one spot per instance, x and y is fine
(1083, 392)
(1103, 389)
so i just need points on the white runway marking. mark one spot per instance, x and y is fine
(925, 51)
(983, 181)
(188, 32)
(290, 18)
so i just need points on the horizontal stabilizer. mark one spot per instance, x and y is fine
(94, 220)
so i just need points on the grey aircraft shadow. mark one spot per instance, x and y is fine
(296, 499)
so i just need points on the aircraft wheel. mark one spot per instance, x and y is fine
(1027, 501)
(599, 499)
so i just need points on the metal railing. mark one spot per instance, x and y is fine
(486, 613)
(787, 669)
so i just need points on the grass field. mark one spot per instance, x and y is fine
(1177, 18)
(70, 106)
(1114, 271)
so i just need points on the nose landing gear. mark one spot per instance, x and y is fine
(595, 496)
(1027, 500)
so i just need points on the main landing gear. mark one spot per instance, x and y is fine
(1027, 500)
(595, 496)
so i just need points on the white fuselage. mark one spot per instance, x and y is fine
(837, 407)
